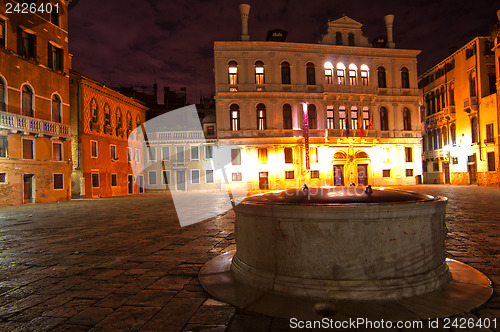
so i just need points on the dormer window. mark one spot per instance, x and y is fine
(233, 72)
(328, 72)
(259, 72)
(340, 73)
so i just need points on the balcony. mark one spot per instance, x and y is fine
(16, 122)
(434, 154)
(180, 135)
(470, 104)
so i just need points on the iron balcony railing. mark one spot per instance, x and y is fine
(16, 122)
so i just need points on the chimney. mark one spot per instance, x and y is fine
(244, 10)
(389, 19)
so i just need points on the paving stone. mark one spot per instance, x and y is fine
(151, 298)
(174, 316)
(126, 318)
(90, 316)
(213, 315)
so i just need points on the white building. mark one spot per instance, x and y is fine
(362, 105)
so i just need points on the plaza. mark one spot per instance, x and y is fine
(124, 263)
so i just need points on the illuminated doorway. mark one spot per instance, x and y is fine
(446, 173)
(338, 175)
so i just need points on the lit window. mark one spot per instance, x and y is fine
(56, 151)
(313, 155)
(56, 108)
(233, 72)
(381, 77)
(330, 121)
(285, 73)
(328, 72)
(263, 155)
(236, 177)
(310, 74)
(342, 118)
(27, 101)
(93, 149)
(340, 73)
(405, 78)
(195, 176)
(366, 118)
(261, 117)
(354, 117)
(259, 72)
(353, 74)
(364, 75)
(58, 181)
(235, 157)
(55, 57)
(289, 155)
(234, 111)
(287, 116)
(289, 175)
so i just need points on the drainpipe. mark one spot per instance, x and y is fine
(478, 102)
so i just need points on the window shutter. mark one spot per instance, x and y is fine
(49, 54)
(19, 41)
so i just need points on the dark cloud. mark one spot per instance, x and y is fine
(126, 42)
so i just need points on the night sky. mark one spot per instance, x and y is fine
(130, 43)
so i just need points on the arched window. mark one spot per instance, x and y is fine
(310, 74)
(330, 119)
(56, 108)
(430, 143)
(406, 119)
(129, 121)
(381, 77)
(453, 134)
(328, 72)
(107, 115)
(353, 74)
(452, 94)
(259, 72)
(340, 73)
(94, 111)
(433, 103)
(384, 119)
(27, 101)
(287, 116)
(427, 105)
(438, 100)
(285, 73)
(443, 98)
(338, 38)
(354, 117)
(438, 137)
(364, 74)
(405, 78)
(472, 84)
(311, 116)
(232, 72)
(434, 140)
(474, 132)
(342, 118)
(350, 39)
(119, 118)
(445, 136)
(234, 114)
(137, 121)
(3, 95)
(261, 117)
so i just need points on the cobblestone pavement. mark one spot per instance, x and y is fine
(125, 264)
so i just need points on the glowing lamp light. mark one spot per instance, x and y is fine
(304, 108)
(328, 65)
(259, 70)
(233, 70)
